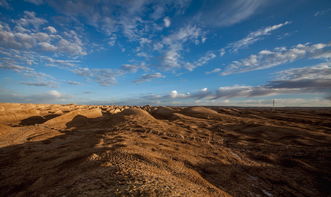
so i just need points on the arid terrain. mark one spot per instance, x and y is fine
(87, 150)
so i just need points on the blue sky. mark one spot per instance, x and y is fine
(172, 52)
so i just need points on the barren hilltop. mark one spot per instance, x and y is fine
(85, 150)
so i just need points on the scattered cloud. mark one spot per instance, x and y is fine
(52, 96)
(132, 67)
(254, 37)
(312, 79)
(175, 94)
(148, 77)
(222, 52)
(30, 20)
(167, 22)
(322, 12)
(73, 82)
(26, 71)
(107, 76)
(36, 2)
(201, 61)
(215, 70)
(104, 77)
(51, 29)
(16, 68)
(47, 46)
(280, 55)
(60, 63)
(55, 93)
(226, 13)
(122, 17)
(26, 34)
(173, 44)
(39, 84)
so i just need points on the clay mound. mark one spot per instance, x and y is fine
(164, 113)
(75, 117)
(4, 129)
(136, 114)
(11, 116)
(200, 112)
(114, 110)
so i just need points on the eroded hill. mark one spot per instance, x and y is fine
(81, 150)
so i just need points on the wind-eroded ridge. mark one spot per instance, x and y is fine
(90, 150)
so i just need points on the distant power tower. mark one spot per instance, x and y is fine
(273, 104)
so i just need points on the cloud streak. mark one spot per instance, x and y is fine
(226, 13)
(254, 37)
(280, 55)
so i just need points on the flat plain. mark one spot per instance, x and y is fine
(91, 150)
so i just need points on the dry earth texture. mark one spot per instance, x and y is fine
(81, 150)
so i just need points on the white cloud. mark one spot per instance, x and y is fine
(148, 77)
(36, 2)
(30, 20)
(55, 93)
(107, 76)
(226, 13)
(52, 96)
(16, 68)
(73, 82)
(51, 29)
(281, 55)
(215, 70)
(47, 46)
(132, 67)
(124, 17)
(312, 78)
(175, 94)
(222, 52)
(167, 22)
(112, 40)
(319, 71)
(171, 57)
(25, 35)
(60, 63)
(322, 12)
(42, 79)
(40, 83)
(86, 72)
(74, 48)
(308, 80)
(104, 77)
(201, 61)
(254, 37)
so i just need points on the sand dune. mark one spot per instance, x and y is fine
(81, 150)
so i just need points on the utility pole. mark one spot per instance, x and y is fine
(273, 104)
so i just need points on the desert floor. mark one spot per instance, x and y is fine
(86, 150)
